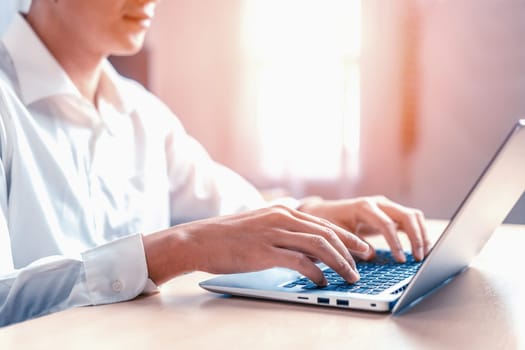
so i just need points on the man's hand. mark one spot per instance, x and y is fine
(254, 240)
(367, 215)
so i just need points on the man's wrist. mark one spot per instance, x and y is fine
(166, 255)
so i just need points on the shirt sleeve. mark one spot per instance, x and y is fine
(201, 187)
(107, 274)
(113, 272)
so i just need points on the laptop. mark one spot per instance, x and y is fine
(387, 286)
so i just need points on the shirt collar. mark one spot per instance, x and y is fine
(44, 77)
(38, 78)
(113, 89)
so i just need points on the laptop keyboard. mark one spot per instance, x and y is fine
(376, 276)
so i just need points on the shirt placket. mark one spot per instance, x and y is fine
(88, 153)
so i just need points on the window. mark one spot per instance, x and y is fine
(304, 64)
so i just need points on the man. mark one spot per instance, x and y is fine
(104, 195)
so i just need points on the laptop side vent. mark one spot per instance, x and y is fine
(399, 290)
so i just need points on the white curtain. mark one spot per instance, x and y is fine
(303, 74)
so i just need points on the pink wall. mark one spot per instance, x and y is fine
(382, 167)
(194, 67)
(472, 88)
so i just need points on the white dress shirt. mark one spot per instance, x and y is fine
(80, 184)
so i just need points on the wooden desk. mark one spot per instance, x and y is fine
(484, 308)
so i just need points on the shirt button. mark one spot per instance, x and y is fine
(117, 286)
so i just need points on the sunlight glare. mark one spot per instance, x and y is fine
(305, 55)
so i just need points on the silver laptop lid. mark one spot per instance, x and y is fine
(490, 200)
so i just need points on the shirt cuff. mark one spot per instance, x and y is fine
(116, 271)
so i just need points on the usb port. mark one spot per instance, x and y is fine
(342, 302)
(323, 300)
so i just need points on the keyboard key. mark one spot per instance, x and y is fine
(377, 275)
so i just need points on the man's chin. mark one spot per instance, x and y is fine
(132, 47)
